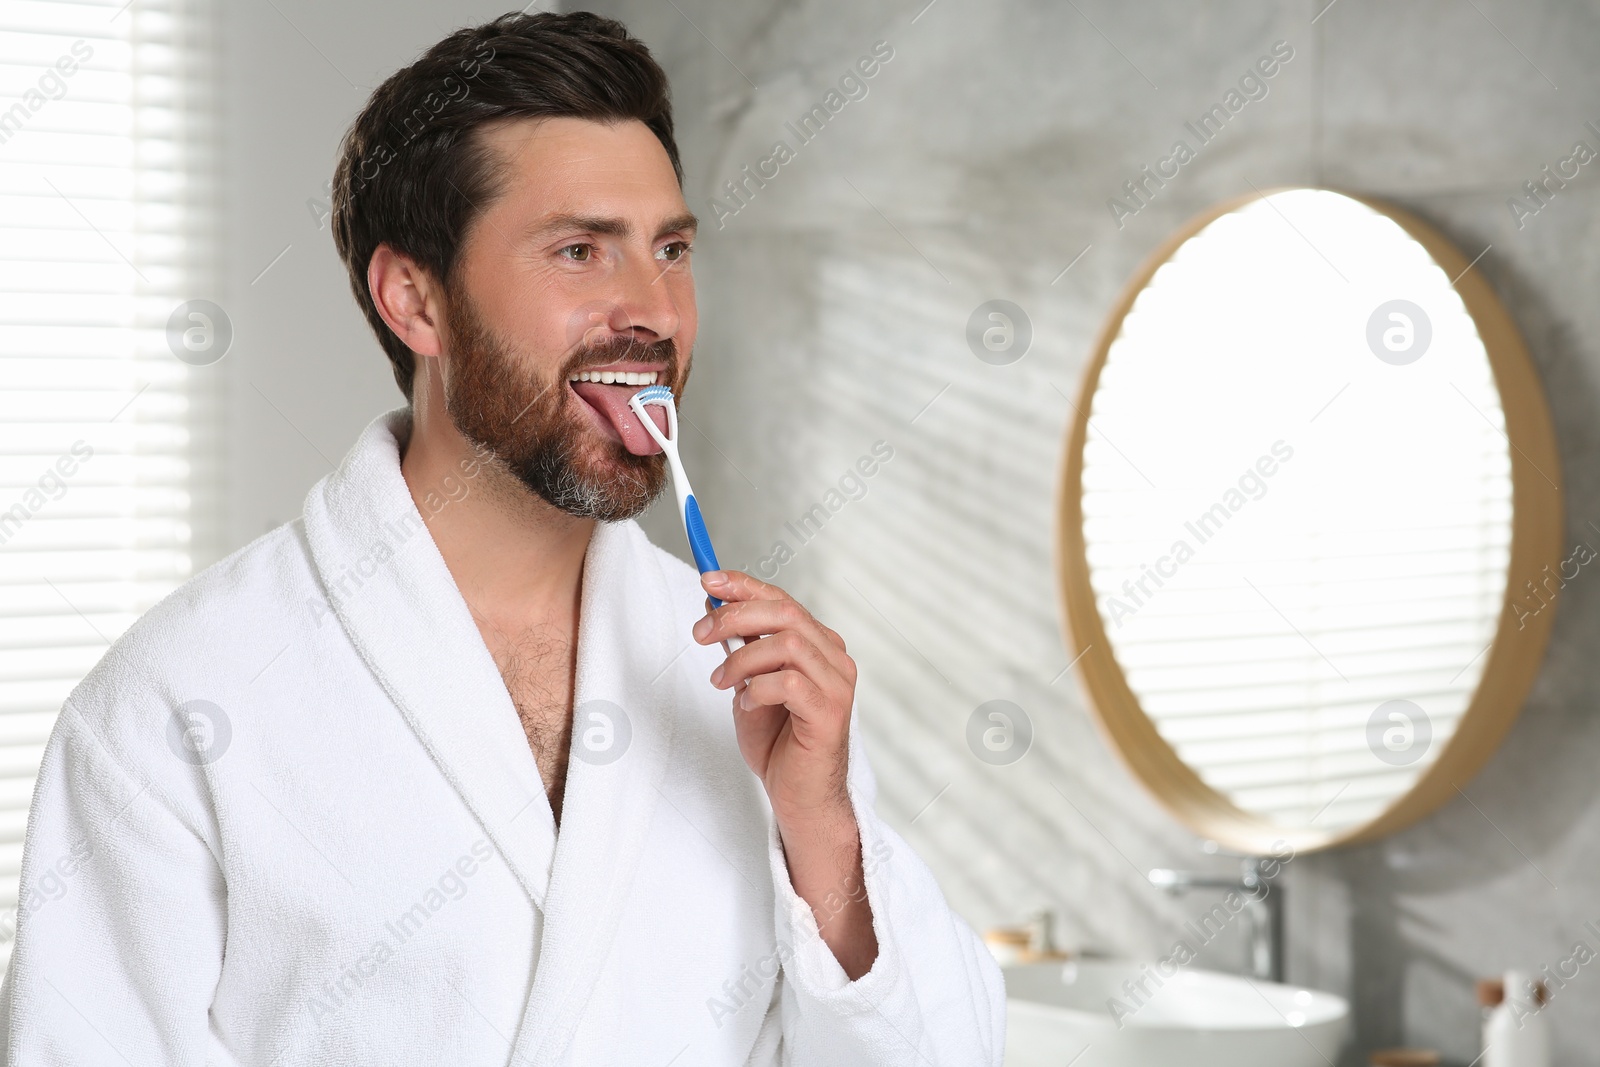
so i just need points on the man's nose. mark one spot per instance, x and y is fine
(640, 305)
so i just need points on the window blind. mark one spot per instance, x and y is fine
(107, 439)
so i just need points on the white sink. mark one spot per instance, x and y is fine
(1059, 1014)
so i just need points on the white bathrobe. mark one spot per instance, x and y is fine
(292, 818)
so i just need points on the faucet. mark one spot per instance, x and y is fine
(1263, 905)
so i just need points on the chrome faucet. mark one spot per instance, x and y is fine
(1263, 905)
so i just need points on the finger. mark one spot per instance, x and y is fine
(732, 586)
(757, 618)
(769, 610)
(786, 650)
(752, 619)
(737, 585)
(788, 656)
(787, 689)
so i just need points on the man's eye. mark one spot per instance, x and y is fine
(674, 251)
(579, 253)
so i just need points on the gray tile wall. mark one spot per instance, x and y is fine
(978, 165)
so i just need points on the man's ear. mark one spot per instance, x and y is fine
(408, 298)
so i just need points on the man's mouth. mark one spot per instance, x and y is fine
(606, 391)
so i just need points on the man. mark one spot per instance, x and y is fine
(446, 772)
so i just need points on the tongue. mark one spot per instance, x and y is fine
(612, 402)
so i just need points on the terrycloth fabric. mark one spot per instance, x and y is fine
(349, 858)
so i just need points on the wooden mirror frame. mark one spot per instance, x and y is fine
(1514, 655)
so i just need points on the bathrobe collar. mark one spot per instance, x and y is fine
(390, 589)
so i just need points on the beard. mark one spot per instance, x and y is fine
(538, 430)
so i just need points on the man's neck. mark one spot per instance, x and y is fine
(517, 561)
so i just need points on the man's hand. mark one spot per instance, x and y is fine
(793, 718)
(794, 687)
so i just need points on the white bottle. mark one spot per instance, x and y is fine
(1514, 1028)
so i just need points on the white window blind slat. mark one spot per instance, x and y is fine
(104, 187)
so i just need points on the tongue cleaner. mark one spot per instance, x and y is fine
(705, 557)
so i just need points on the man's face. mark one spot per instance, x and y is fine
(579, 272)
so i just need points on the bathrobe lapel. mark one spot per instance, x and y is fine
(390, 588)
(613, 780)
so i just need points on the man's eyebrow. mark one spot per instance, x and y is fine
(610, 227)
(685, 222)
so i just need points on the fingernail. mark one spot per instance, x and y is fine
(702, 628)
(715, 578)
(716, 676)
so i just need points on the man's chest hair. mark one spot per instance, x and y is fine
(537, 668)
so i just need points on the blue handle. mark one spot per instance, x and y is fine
(705, 557)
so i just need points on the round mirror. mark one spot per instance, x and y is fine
(1310, 522)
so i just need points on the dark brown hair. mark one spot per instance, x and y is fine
(412, 175)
